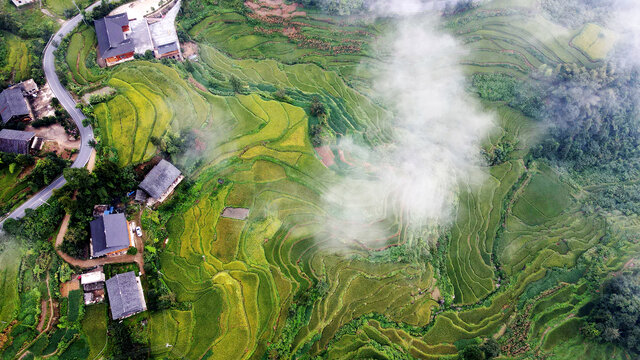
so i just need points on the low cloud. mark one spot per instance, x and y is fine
(435, 146)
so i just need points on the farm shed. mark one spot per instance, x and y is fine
(14, 141)
(13, 106)
(126, 296)
(109, 235)
(161, 180)
(114, 45)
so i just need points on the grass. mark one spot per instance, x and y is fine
(9, 264)
(94, 326)
(18, 59)
(58, 7)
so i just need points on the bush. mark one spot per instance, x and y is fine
(132, 250)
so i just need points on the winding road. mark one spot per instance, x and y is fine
(86, 132)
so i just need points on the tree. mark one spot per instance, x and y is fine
(471, 352)
(132, 250)
(317, 108)
(236, 84)
(491, 348)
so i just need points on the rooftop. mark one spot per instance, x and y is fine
(111, 40)
(92, 277)
(109, 233)
(159, 179)
(125, 295)
(8, 134)
(12, 104)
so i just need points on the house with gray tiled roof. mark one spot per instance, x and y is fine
(13, 106)
(126, 297)
(15, 141)
(114, 44)
(161, 181)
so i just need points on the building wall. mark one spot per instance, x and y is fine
(15, 146)
(171, 55)
(119, 59)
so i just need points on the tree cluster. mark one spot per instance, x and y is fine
(175, 144)
(485, 351)
(616, 314)
(46, 170)
(106, 184)
(574, 13)
(593, 116)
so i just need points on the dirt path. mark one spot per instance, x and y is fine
(41, 323)
(92, 160)
(43, 315)
(100, 261)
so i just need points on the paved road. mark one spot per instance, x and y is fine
(86, 133)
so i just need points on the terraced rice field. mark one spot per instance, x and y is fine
(594, 41)
(513, 250)
(514, 37)
(18, 60)
(151, 100)
(314, 38)
(82, 43)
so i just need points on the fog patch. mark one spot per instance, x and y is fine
(435, 147)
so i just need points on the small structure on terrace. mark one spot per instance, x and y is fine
(110, 235)
(161, 181)
(126, 297)
(93, 286)
(17, 142)
(114, 44)
(13, 106)
(28, 87)
(19, 3)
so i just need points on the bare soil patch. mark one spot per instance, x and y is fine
(435, 294)
(195, 83)
(274, 8)
(102, 91)
(235, 213)
(43, 315)
(55, 133)
(68, 286)
(327, 156)
(41, 104)
(189, 49)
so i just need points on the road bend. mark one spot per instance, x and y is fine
(86, 132)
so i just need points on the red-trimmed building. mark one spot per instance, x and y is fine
(114, 44)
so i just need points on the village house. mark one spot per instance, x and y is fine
(114, 44)
(13, 106)
(161, 181)
(93, 286)
(17, 142)
(110, 235)
(126, 297)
